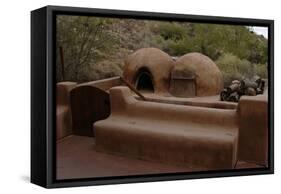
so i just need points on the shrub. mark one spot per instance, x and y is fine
(107, 69)
(233, 67)
(261, 70)
(101, 70)
(171, 31)
(171, 37)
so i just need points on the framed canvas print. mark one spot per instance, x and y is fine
(126, 96)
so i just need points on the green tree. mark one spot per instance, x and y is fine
(84, 40)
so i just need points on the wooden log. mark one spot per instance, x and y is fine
(261, 87)
(250, 91)
(132, 88)
(259, 91)
(248, 84)
(234, 97)
(257, 79)
(235, 82)
(223, 95)
(234, 87)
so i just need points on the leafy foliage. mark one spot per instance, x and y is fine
(212, 40)
(261, 70)
(84, 41)
(234, 68)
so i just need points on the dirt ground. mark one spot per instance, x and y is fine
(77, 158)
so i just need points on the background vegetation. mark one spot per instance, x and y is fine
(94, 48)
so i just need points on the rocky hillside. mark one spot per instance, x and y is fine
(94, 48)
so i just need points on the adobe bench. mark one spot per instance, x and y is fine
(199, 137)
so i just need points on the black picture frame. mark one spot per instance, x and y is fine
(43, 51)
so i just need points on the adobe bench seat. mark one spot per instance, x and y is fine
(204, 138)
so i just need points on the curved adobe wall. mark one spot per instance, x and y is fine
(253, 129)
(63, 110)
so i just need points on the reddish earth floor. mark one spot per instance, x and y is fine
(77, 158)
